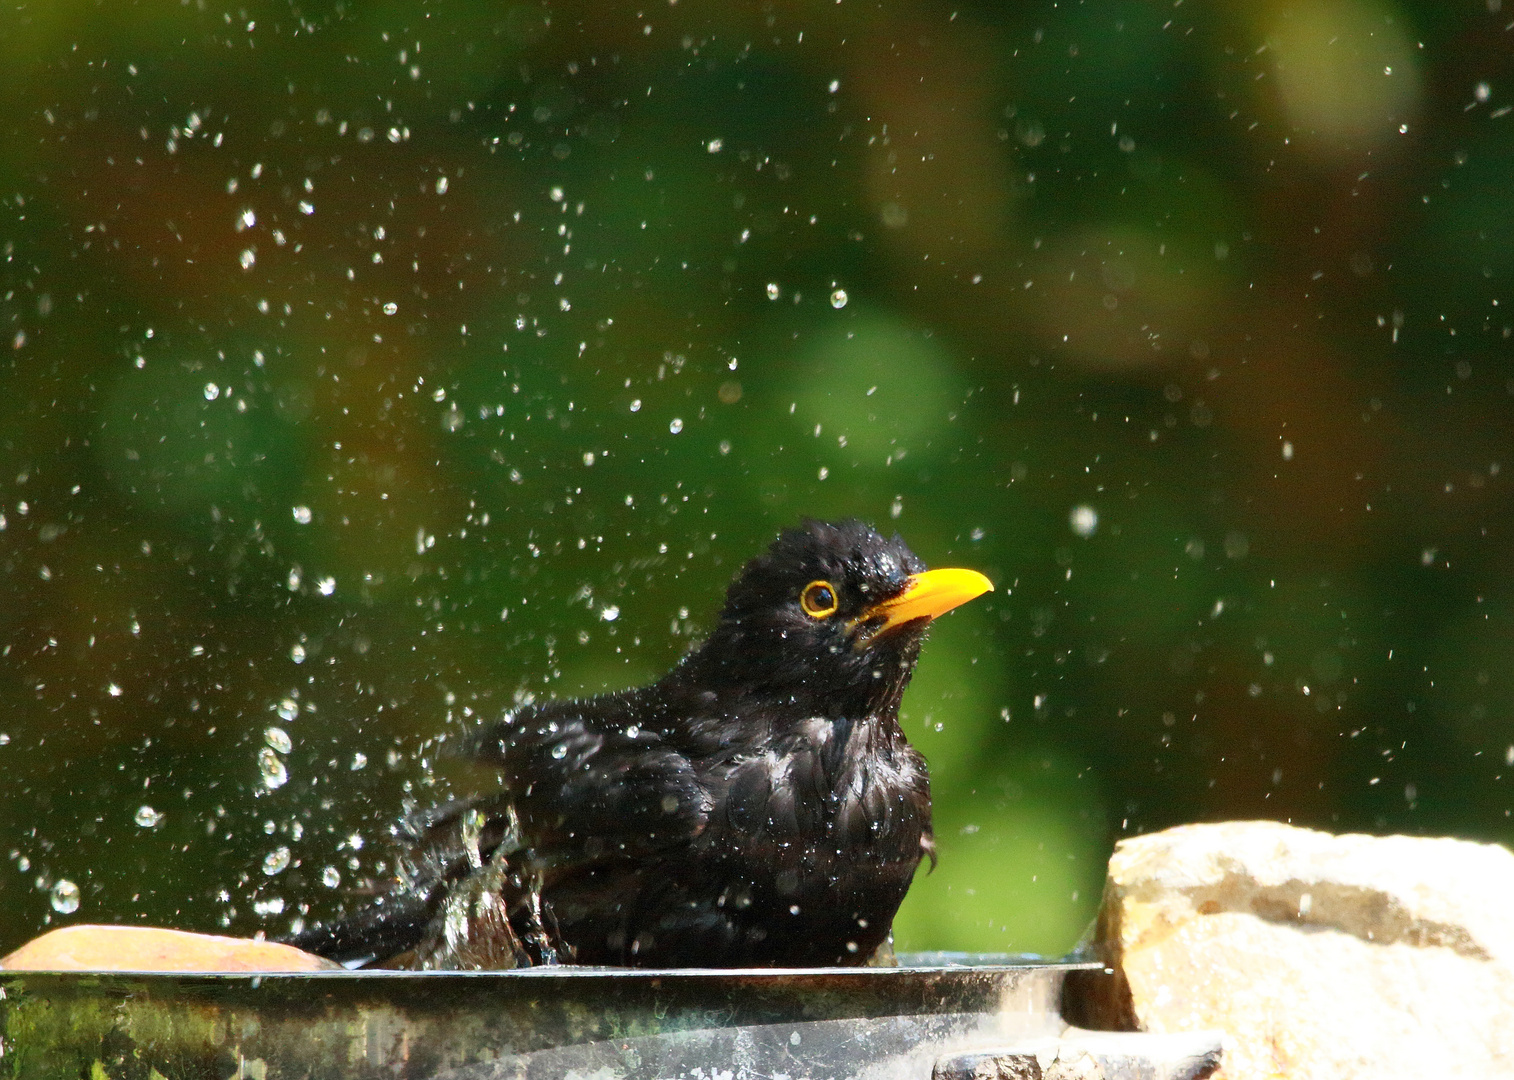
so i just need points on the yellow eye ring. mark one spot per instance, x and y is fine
(818, 599)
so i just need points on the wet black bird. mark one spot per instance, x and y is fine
(758, 805)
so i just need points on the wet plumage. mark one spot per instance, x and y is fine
(758, 805)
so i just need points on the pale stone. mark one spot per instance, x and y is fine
(1322, 957)
(147, 948)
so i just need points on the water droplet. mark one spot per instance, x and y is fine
(714, 145)
(331, 877)
(276, 861)
(301, 515)
(609, 613)
(390, 308)
(838, 298)
(113, 690)
(560, 751)
(288, 709)
(278, 739)
(297, 653)
(636, 405)
(676, 426)
(247, 259)
(1084, 520)
(4, 739)
(774, 292)
(359, 761)
(326, 585)
(147, 817)
(212, 391)
(65, 897)
(274, 774)
(441, 185)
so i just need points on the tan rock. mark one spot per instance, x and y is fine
(147, 948)
(1321, 956)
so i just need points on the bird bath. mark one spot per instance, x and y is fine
(602, 1024)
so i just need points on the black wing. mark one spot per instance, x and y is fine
(590, 797)
(590, 782)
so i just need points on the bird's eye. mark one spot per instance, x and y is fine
(818, 599)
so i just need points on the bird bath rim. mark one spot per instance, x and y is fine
(935, 963)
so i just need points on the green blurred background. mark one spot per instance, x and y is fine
(369, 366)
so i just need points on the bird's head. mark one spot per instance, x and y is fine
(828, 621)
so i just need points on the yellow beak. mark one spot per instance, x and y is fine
(926, 595)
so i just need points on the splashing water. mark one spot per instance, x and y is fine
(64, 897)
(272, 769)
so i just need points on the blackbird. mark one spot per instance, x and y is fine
(756, 806)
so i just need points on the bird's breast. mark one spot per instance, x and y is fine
(830, 786)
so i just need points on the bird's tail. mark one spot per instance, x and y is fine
(393, 924)
(450, 905)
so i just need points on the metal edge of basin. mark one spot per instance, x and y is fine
(606, 1024)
